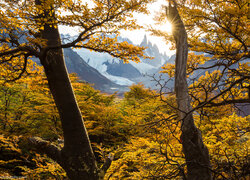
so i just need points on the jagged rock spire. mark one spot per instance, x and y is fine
(144, 41)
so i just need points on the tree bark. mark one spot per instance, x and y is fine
(76, 157)
(196, 153)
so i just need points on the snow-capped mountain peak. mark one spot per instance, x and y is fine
(120, 73)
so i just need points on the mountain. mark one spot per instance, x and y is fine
(121, 69)
(100, 62)
(75, 64)
(125, 74)
(153, 51)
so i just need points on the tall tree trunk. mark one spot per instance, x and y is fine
(76, 157)
(196, 153)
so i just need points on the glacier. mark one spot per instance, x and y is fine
(114, 70)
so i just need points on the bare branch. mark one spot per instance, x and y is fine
(46, 147)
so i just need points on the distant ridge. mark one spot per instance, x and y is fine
(75, 64)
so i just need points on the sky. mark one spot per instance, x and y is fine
(145, 20)
(137, 36)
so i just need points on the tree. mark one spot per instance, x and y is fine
(26, 104)
(216, 34)
(140, 129)
(218, 43)
(196, 153)
(219, 28)
(30, 28)
(152, 149)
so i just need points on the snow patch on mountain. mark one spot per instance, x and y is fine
(118, 80)
(142, 67)
(97, 61)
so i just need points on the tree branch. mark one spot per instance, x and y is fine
(23, 70)
(220, 94)
(46, 147)
(232, 101)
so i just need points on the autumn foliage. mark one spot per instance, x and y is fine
(140, 130)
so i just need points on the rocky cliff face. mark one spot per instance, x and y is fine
(153, 51)
(76, 64)
(125, 74)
